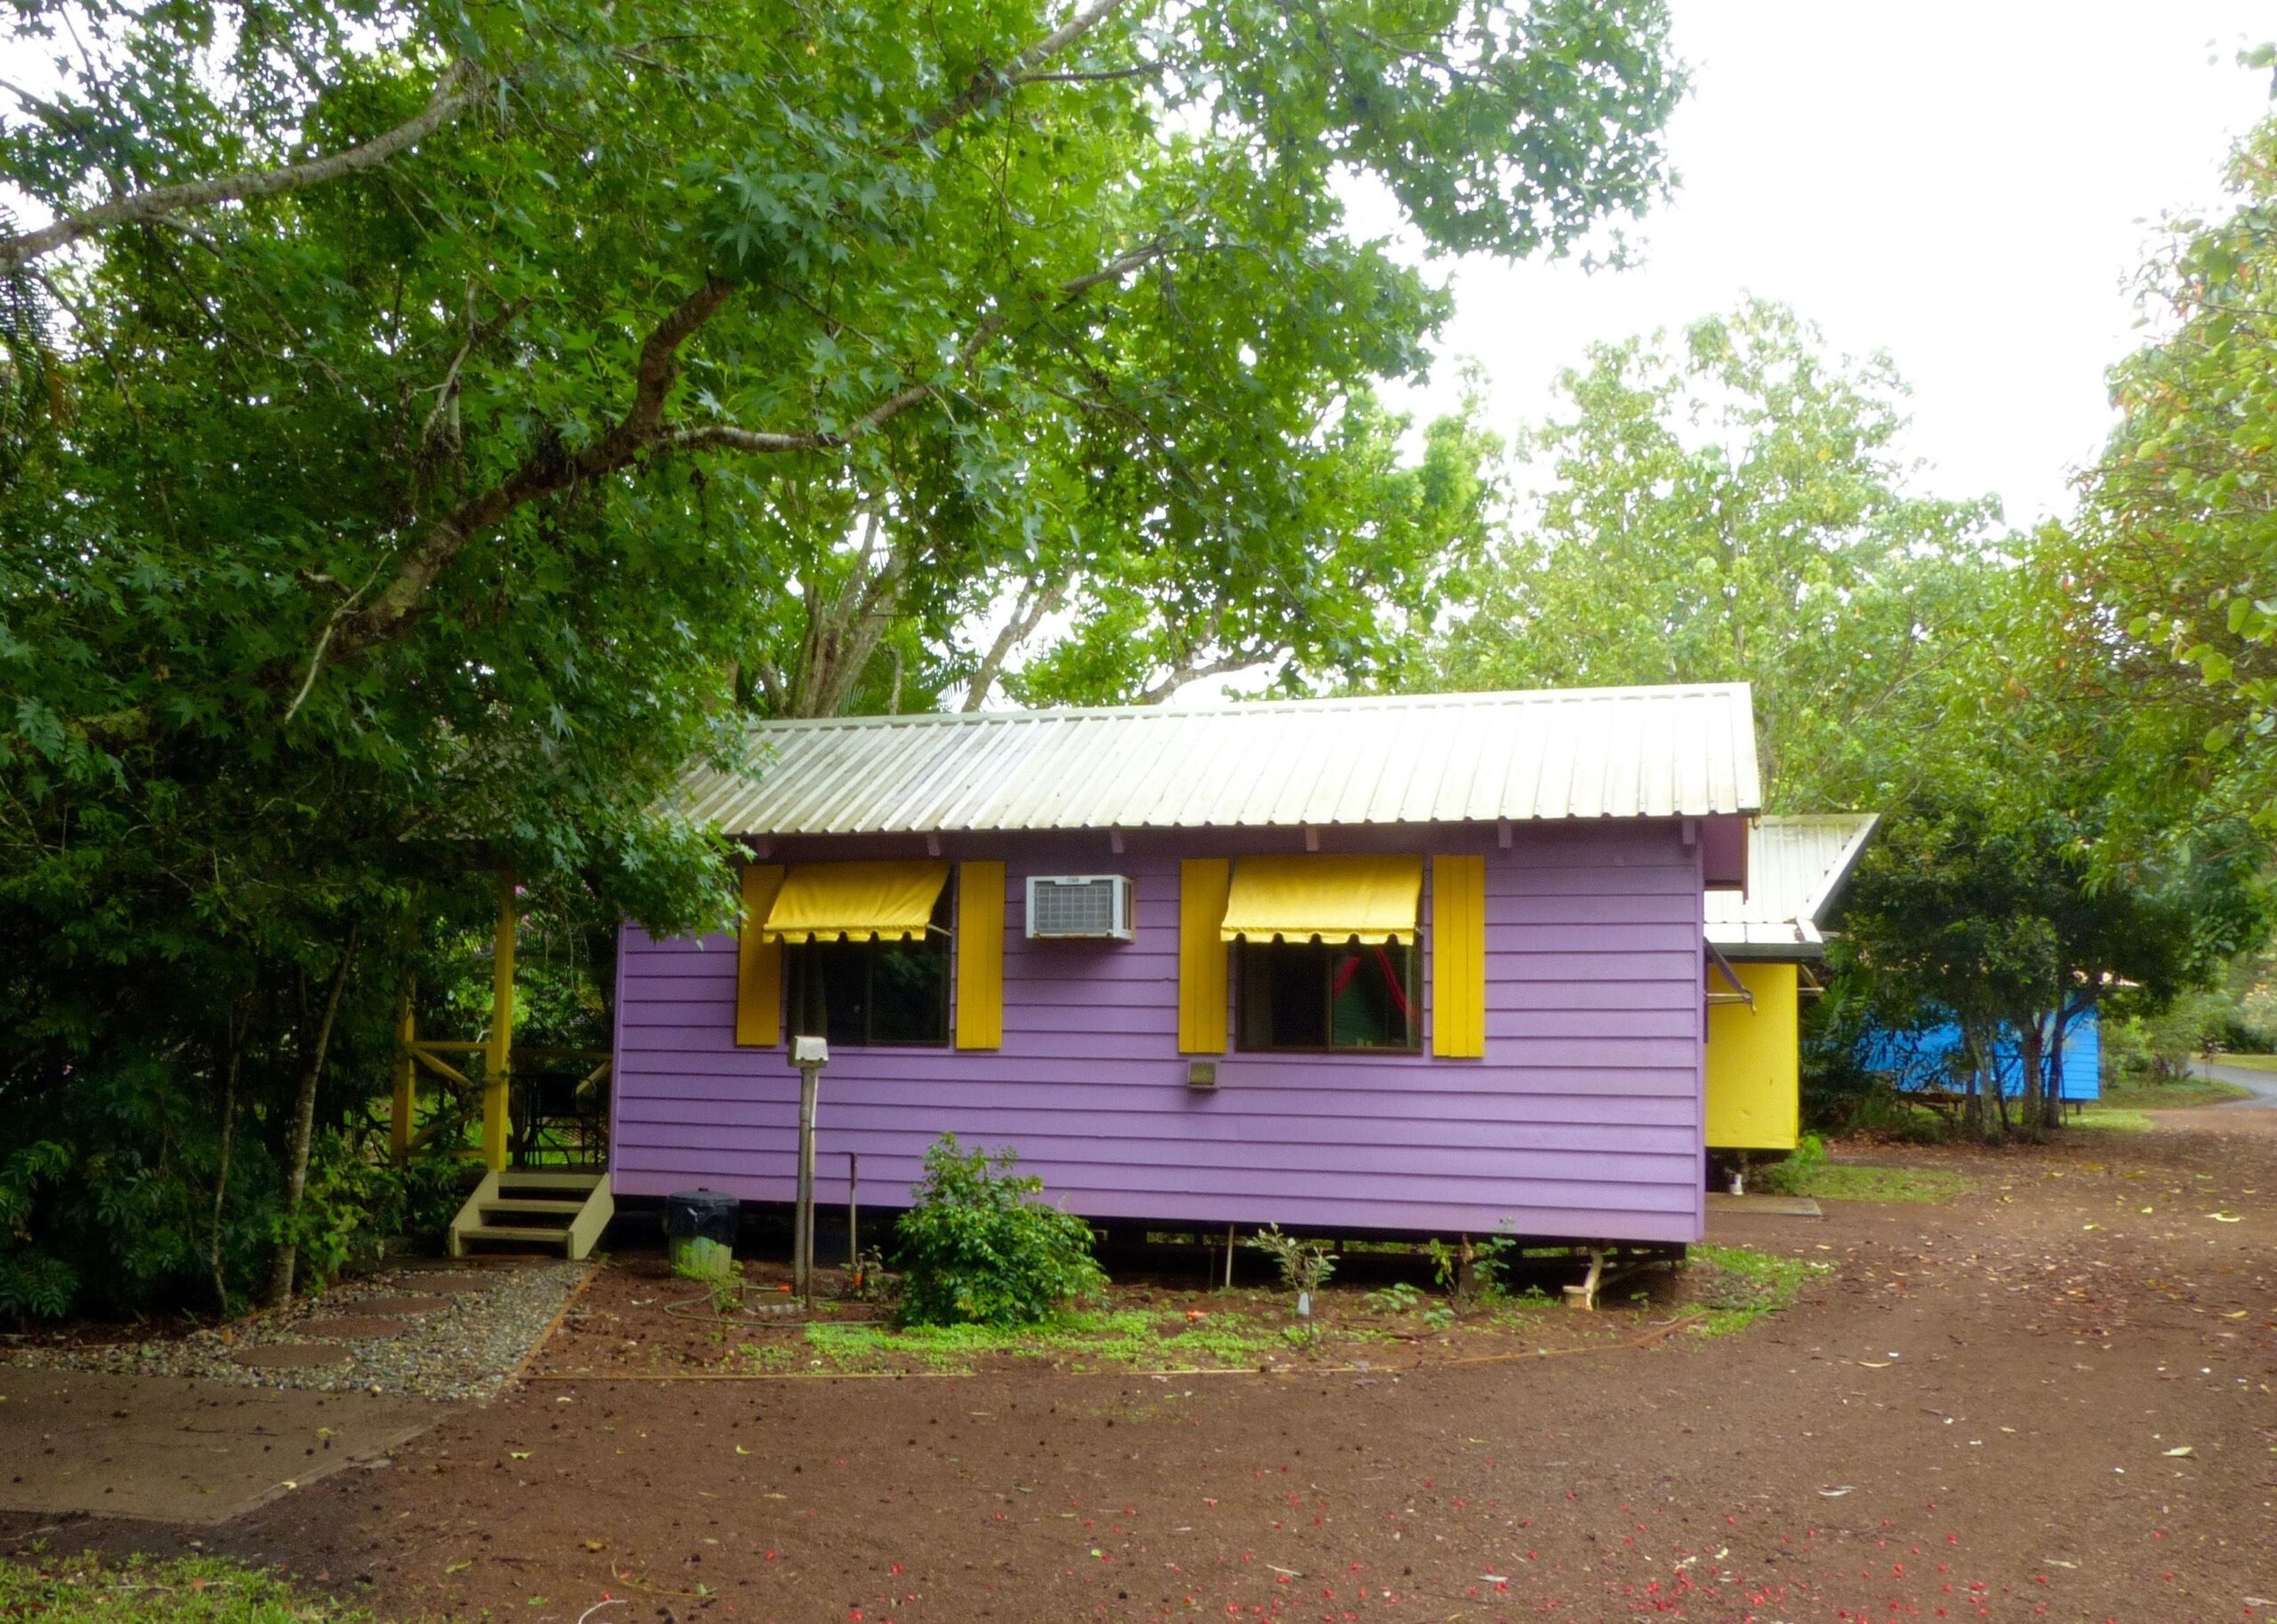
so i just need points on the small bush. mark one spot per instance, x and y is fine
(1793, 1175)
(979, 1248)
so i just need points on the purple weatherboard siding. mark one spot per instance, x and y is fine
(1582, 1121)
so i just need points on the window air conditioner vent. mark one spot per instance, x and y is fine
(1079, 907)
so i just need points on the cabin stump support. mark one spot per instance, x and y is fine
(1584, 1296)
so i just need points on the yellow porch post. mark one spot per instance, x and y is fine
(406, 1094)
(498, 1055)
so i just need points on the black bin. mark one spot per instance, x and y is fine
(700, 1233)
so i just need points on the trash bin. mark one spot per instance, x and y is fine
(700, 1233)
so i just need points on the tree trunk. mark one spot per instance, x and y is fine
(2031, 1077)
(304, 1128)
(228, 1135)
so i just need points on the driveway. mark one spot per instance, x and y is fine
(2263, 1084)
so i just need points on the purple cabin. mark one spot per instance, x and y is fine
(1411, 965)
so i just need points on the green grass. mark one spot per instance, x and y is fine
(1745, 1285)
(2174, 1096)
(1845, 1181)
(1133, 1338)
(2249, 1063)
(196, 1590)
(2106, 1120)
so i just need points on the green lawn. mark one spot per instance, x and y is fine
(2106, 1119)
(2173, 1096)
(1842, 1181)
(1742, 1285)
(2251, 1063)
(199, 1590)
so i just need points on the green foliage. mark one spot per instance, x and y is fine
(1730, 506)
(978, 1248)
(1305, 1266)
(433, 517)
(1740, 1285)
(2179, 541)
(1397, 1297)
(1792, 1176)
(87, 1589)
(356, 1198)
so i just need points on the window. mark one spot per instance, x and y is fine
(1314, 995)
(877, 992)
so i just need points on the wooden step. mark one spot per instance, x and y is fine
(572, 1209)
(567, 1209)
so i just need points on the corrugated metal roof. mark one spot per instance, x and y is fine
(1795, 866)
(1453, 757)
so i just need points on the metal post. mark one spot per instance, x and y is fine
(802, 1237)
(853, 1212)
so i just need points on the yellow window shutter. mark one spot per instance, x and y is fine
(1458, 957)
(1201, 886)
(759, 963)
(980, 955)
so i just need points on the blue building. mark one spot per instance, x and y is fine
(1930, 1057)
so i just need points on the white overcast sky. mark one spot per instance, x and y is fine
(1968, 187)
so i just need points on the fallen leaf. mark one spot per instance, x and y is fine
(460, 1566)
(2224, 1217)
(2184, 1449)
(1835, 1493)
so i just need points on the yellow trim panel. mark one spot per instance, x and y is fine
(759, 963)
(980, 955)
(1202, 988)
(1459, 957)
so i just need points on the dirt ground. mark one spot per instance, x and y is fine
(2053, 1398)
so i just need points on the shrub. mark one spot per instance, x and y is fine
(978, 1248)
(1792, 1177)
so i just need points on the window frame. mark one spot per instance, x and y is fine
(939, 937)
(1410, 982)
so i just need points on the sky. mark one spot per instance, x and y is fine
(1969, 188)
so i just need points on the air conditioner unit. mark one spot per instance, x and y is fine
(1079, 907)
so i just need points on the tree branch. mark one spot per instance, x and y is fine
(461, 87)
(1027, 615)
(544, 471)
(990, 83)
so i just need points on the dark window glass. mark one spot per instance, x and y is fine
(859, 993)
(1322, 995)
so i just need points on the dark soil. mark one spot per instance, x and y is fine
(2040, 1402)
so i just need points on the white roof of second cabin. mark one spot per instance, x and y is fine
(1795, 867)
(1559, 753)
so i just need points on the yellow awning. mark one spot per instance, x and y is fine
(861, 900)
(1323, 898)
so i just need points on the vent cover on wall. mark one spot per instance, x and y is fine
(1079, 907)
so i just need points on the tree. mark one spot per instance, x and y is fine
(404, 484)
(2177, 542)
(1732, 508)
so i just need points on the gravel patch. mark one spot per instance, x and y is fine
(467, 1337)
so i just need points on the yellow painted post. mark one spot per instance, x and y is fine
(406, 1091)
(1459, 957)
(498, 1055)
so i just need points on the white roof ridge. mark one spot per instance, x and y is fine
(1455, 699)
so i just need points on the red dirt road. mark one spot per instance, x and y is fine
(2041, 1402)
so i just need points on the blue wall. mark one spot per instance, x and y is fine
(1924, 1058)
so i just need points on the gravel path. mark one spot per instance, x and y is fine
(479, 1324)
